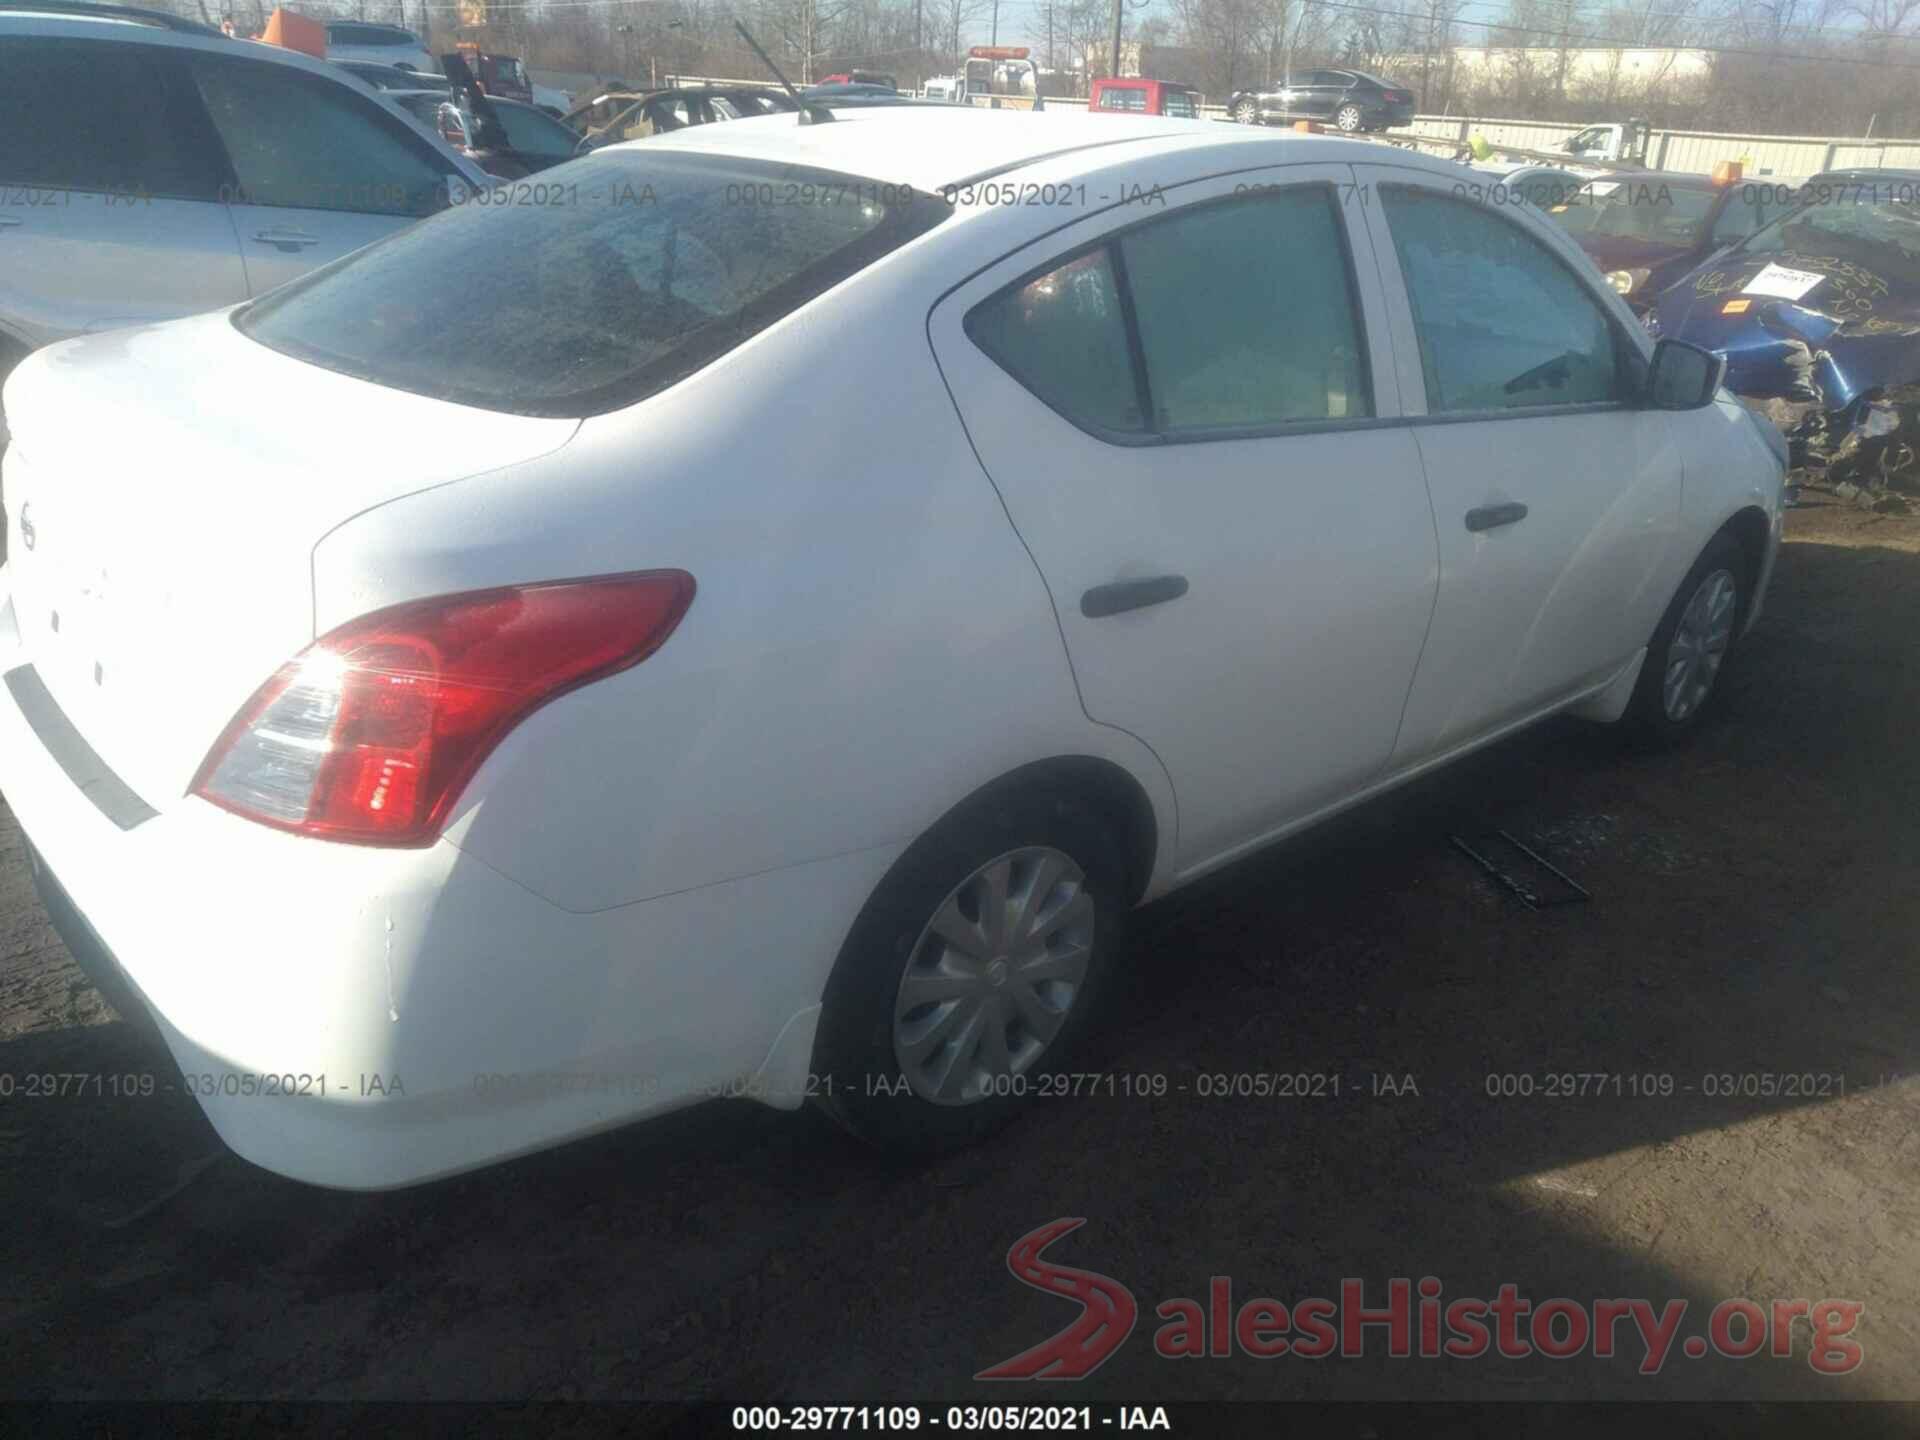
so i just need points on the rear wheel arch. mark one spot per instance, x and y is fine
(1103, 786)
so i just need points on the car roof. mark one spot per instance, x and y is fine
(96, 11)
(934, 145)
(1848, 172)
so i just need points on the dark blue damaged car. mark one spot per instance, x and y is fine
(1818, 314)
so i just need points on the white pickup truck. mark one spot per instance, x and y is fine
(1610, 144)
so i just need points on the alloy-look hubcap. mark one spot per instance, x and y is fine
(1699, 644)
(992, 977)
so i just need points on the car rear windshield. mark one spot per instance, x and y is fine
(1641, 209)
(589, 287)
(1874, 227)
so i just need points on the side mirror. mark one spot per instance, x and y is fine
(1683, 376)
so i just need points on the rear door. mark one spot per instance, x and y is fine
(1324, 91)
(110, 210)
(320, 169)
(1232, 525)
(1556, 498)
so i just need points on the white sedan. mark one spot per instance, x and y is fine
(753, 618)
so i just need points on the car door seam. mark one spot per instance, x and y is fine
(1046, 586)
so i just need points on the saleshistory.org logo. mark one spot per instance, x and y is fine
(1509, 1326)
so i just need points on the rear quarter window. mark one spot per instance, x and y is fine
(644, 269)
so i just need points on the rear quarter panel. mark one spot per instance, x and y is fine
(869, 643)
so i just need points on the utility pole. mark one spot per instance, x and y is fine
(1049, 34)
(996, 23)
(1118, 6)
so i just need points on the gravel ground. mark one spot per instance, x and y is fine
(1753, 912)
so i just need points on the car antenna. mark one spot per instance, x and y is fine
(809, 114)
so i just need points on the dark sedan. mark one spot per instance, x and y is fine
(1819, 317)
(1349, 100)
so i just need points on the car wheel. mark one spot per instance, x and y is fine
(971, 972)
(1687, 657)
(1347, 118)
(1247, 113)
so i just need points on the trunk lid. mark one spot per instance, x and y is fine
(176, 479)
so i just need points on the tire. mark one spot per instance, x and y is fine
(888, 1050)
(1702, 623)
(1348, 120)
(1246, 113)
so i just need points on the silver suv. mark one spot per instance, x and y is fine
(153, 167)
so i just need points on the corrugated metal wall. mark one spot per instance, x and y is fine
(1695, 151)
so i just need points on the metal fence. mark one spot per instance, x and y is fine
(1694, 151)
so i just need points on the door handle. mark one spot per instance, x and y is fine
(287, 239)
(1492, 517)
(1123, 595)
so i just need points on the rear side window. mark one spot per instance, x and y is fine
(1229, 317)
(1063, 335)
(1115, 99)
(1502, 322)
(651, 269)
(1178, 103)
(300, 141)
(1247, 316)
(535, 134)
(92, 116)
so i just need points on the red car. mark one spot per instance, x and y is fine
(859, 77)
(1133, 96)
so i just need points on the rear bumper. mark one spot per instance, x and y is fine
(365, 1018)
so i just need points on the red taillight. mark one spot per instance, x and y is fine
(371, 732)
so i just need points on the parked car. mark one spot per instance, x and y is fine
(1818, 315)
(1134, 96)
(584, 747)
(154, 167)
(593, 115)
(388, 45)
(860, 77)
(529, 139)
(1614, 143)
(1542, 186)
(1349, 100)
(1647, 228)
(660, 112)
(393, 77)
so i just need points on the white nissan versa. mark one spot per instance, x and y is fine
(759, 619)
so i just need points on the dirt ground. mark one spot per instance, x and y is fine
(1753, 912)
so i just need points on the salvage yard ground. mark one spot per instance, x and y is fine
(1754, 912)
